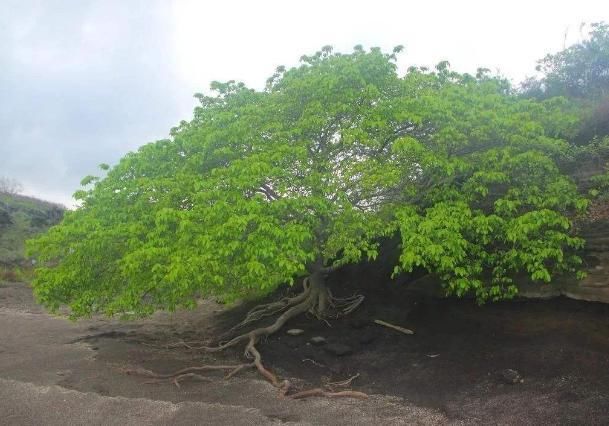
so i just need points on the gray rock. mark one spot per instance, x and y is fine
(338, 349)
(318, 340)
(295, 331)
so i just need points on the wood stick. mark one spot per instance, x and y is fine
(395, 327)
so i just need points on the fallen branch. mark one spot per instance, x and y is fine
(394, 327)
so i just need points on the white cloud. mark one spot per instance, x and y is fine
(84, 82)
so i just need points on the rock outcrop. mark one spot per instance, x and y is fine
(595, 287)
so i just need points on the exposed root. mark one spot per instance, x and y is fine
(251, 350)
(263, 311)
(345, 305)
(315, 299)
(319, 307)
(312, 296)
(326, 322)
(187, 345)
(237, 370)
(176, 380)
(343, 383)
(185, 373)
(153, 375)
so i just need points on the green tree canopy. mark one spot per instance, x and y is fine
(579, 71)
(581, 74)
(305, 176)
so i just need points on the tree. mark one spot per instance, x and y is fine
(308, 175)
(580, 73)
(10, 186)
(5, 217)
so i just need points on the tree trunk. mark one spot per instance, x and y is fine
(319, 293)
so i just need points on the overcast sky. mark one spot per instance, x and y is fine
(84, 82)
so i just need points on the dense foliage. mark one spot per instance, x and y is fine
(581, 74)
(261, 187)
(579, 71)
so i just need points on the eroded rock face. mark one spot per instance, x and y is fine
(375, 276)
(595, 287)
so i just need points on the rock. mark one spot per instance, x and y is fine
(595, 286)
(367, 337)
(338, 349)
(318, 340)
(295, 331)
(510, 376)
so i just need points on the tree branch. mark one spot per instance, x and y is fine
(270, 194)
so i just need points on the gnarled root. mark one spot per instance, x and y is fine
(315, 299)
(345, 305)
(190, 372)
(262, 311)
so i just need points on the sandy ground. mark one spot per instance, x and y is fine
(57, 372)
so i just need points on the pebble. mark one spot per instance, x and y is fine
(318, 340)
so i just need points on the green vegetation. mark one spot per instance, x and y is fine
(20, 219)
(306, 176)
(581, 74)
(262, 187)
(578, 72)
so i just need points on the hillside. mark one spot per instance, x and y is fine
(22, 217)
